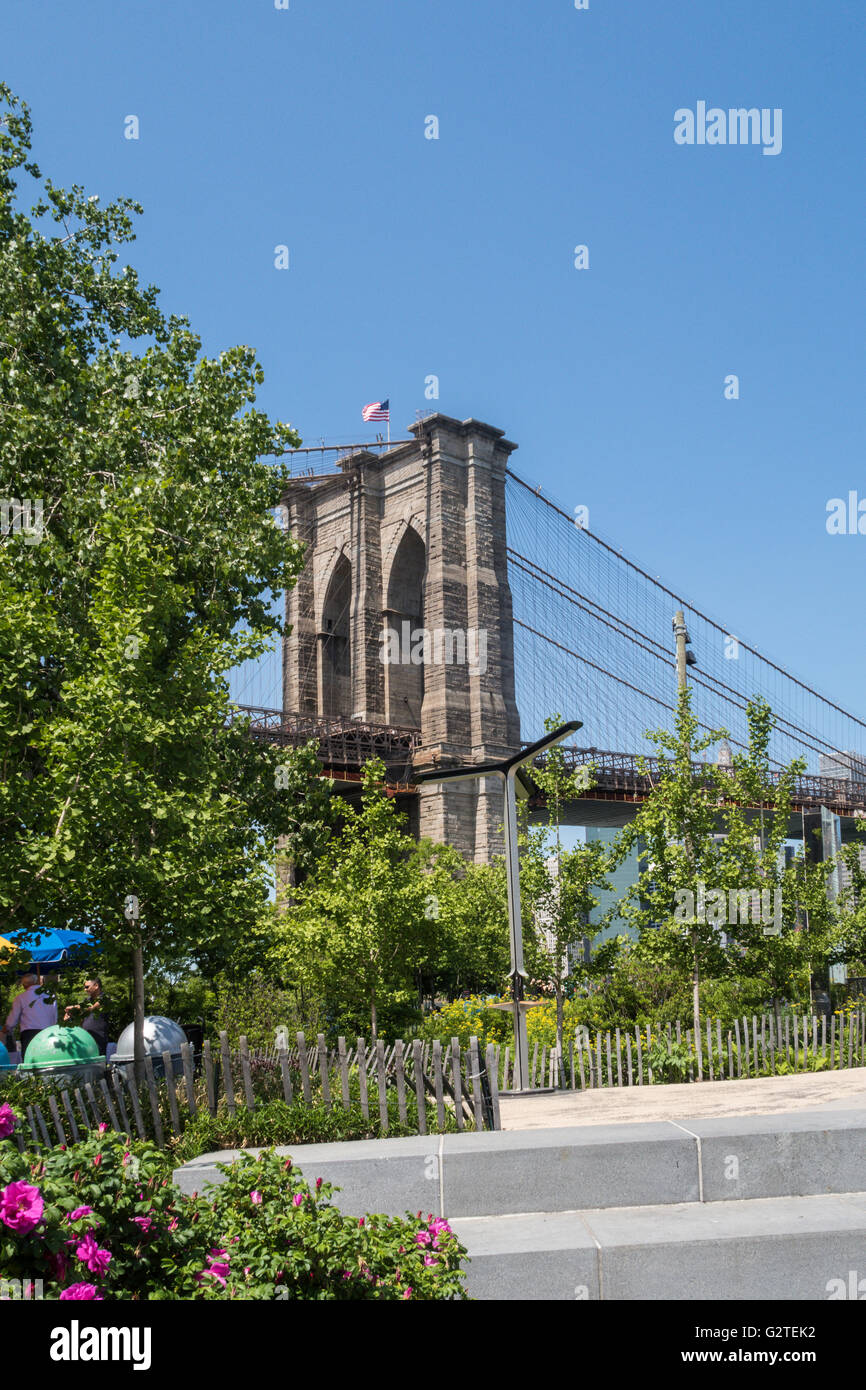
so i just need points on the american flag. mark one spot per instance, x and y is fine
(377, 410)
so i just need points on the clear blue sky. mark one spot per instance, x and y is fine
(409, 256)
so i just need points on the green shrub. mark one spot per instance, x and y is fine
(102, 1220)
(102, 1195)
(275, 1123)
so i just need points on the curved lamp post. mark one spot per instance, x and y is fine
(513, 776)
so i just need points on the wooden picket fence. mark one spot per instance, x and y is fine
(757, 1046)
(460, 1083)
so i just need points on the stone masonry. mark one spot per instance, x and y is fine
(403, 543)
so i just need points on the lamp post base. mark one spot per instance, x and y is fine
(530, 1091)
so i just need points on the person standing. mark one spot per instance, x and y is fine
(90, 1014)
(32, 1010)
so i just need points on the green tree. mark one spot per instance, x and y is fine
(151, 574)
(557, 884)
(358, 927)
(704, 832)
(466, 937)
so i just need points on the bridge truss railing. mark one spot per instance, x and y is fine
(633, 774)
(343, 743)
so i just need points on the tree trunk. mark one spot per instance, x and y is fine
(559, 1017)
(696, 998)
(373, 1014)
(138, 1010)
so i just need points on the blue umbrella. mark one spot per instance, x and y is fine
(51, 947)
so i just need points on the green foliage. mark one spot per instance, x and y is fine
(263, 1233)
(123, 771)
(119, 1182)
(295, 1244)
(467, 1018)
(275, 1122)
(254, 1007)
(557, 885)
(356, 930)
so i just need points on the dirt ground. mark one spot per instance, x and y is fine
(843, 1090)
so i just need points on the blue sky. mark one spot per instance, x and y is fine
(454, 257)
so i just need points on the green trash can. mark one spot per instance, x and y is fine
(68, 1053)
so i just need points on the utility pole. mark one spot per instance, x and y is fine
(682, 640)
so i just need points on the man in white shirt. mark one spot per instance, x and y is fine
(31, 1011)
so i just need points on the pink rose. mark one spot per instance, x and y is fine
(89, 1253)
(7, 1121)
(218, 1268)
(81, 1291)
(103, 1127)
(97, 1160)
(21, 1207)
(297, 1199)
(256, 1198)
(145, 1222)
(78, 1213)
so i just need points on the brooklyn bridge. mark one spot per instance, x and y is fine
(438, 536)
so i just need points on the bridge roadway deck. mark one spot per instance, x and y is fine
(620, 781)
(844, 1090)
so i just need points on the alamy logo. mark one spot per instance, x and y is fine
(736, 126)
(855, 1288)
(20, 1290)
(22, 517)
(74, 1343)
(718, 908)
(846, 520)
(441, 646)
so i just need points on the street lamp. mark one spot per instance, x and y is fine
(510, 770)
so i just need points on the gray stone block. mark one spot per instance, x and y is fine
(376, 1175)
(781, 1155)
(780, 1248)
(545, 1256)
(566, 1169)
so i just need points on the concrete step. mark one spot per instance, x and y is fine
(784, 1248)
(806, 1153)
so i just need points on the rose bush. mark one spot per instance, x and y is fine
(101, 1219)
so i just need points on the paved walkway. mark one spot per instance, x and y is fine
(843, 1090)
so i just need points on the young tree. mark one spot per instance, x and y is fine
(149, 574)
(357, 927)
(466, 945)
(558, 883)
(703, 833)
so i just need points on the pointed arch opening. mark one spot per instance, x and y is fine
(335, 666)
(404, 614)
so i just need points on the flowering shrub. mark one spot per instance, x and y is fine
(274, 1236)
(101, 1219)
(100, 1213)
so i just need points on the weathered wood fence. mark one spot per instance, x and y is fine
(768, 1045)
(457, 1085)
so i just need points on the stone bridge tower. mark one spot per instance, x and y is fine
(409, 542)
